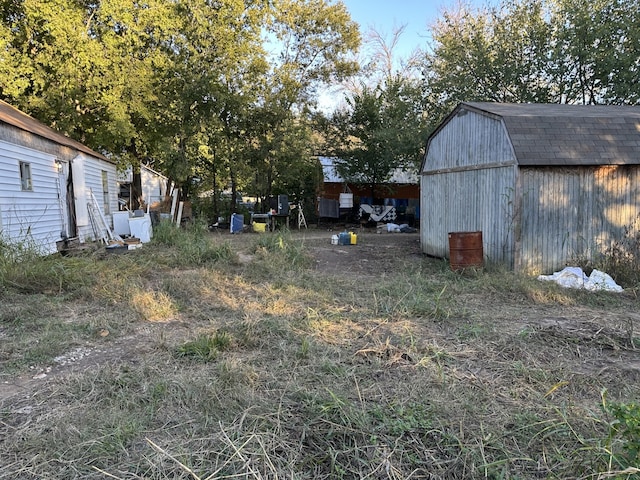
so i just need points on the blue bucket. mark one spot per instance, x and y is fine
(237, 223)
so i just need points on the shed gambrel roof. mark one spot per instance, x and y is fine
(19, 119)
(560, 134)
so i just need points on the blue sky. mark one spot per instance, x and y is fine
(383, 15)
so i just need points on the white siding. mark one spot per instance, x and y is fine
(33, 216)
(154, 185)
(93, 183)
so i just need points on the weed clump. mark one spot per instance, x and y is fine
(204, 348)
(282, 250)
(621, 260)
(23, 267)
(188, 246)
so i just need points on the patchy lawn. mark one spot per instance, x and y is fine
(283, 356)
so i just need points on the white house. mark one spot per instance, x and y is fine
(52, 188)
(149, 186)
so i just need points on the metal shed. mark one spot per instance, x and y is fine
(546, 184)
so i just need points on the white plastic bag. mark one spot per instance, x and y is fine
(574, 277)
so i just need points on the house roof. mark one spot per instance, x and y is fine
(560, 134)
(19, 119)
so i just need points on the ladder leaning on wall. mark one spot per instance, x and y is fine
(101, 229)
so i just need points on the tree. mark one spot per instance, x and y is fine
(499, 55)
(381, 127)
(597, 50)
(215, 63)
(558, 51)
(178, 84)
(381, 130)
(87, 72)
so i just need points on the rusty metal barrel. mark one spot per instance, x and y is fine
(465, 250)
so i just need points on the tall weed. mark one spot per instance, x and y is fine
(24, 268)
(189, 246)
(621, 260)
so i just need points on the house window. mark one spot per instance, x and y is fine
(105, 192)
(25, 176)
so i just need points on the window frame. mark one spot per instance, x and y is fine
(26, 178)
(105, 192)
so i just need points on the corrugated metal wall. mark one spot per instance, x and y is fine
(468, 184)
(570, 214)
(469, 201)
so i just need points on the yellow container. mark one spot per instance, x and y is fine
(259, 227)
(354, 238)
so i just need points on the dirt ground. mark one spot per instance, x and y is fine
(373, 254)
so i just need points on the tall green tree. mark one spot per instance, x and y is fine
(381, 129)
(597, 50)
(216, 60)
(85, 68)
(558, 51)
(499, 54)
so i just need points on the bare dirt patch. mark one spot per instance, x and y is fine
(373, 254)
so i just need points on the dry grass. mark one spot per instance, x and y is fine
(284, 366)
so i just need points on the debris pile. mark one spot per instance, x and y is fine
(574, 277)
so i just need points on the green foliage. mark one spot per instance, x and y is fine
(397, 419)
(596, 50)
(625, 427)
(544, 51)
(191, 245)
(497, 54)
(204, 348)
(204, 100)
(382, 130)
